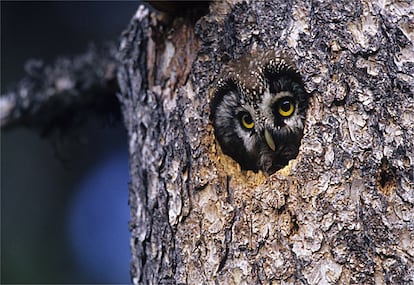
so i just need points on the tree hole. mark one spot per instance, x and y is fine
(386, 178)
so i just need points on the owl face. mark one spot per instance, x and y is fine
(258, 112)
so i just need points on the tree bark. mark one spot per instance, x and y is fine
(341, 213)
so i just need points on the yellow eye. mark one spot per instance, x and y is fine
(286, 108)
(247, 121)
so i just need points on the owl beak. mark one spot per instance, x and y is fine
(269, 140)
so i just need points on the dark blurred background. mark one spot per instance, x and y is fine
(64, 211)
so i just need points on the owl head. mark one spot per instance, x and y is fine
(258, 111)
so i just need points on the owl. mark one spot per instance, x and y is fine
(258, 111)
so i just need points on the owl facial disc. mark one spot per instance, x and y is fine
(258, 111)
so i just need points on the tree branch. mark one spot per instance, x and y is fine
(61, 94)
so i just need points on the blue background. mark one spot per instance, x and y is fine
(64, 200)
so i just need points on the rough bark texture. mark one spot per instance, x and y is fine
(341, 213)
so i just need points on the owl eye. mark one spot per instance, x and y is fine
(247, 121)
(285, 107)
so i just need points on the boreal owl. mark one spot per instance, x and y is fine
(258, 111)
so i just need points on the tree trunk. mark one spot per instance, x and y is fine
(342, 212)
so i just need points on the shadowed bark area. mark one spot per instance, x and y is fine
(342, 212)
